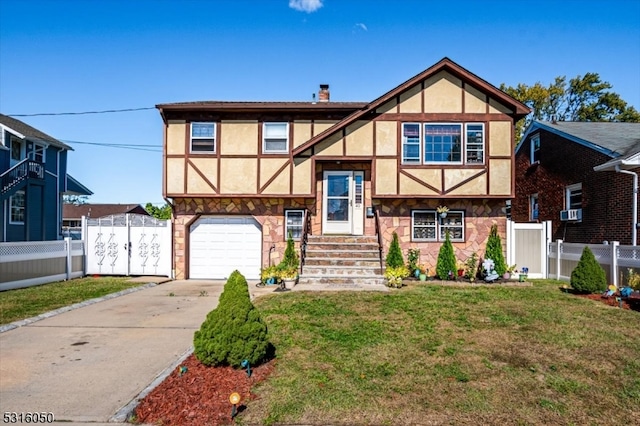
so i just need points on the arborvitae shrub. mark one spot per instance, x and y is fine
(494, 252)
(233, 331)
(446, 259)
(588, 276)
(394, 257)
(291, 259)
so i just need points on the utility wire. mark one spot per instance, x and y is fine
(117, 145)
(107, 111)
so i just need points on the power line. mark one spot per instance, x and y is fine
(107, 111)
(118, 145)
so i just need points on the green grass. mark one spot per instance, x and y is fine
(436, 354)
(27, 302)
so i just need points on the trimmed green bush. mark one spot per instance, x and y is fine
(233, 331)
(588, 276)
(394, 257)
(291, 259)
(494, 252)
(446, 260)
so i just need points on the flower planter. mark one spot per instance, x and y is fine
(289, 283)
(423, 277)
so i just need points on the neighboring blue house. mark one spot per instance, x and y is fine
(33, 178)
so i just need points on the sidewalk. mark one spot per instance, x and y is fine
(89, 365)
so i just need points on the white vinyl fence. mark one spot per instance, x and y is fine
(24, 264)
(614, 259)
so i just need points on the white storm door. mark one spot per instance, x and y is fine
(337, 203)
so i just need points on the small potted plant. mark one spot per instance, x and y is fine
(269, 274)
(423, 272)
(288, 275)
(471, 267)
(460, 267)
(511, 270)
(442, 211)
(413, 256)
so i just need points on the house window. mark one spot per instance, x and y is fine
(293, 223)
(203, 137)
(535, 148)
(16, 149)
(427, 225)
(36, 152)
(411, 143)
(533, 207)
(475, 143)
(573, 196)
(442, 143)
(275, 137)
(16, 208)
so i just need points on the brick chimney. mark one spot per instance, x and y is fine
(323, 94)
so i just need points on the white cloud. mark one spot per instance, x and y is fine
(305, 5)
(362, 26)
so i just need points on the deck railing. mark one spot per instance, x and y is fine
(23, 170)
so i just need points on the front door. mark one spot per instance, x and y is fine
(343, 211)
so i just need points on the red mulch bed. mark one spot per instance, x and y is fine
(200, 396)
(611, 300)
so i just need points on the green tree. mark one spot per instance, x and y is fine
(588, 276)
(446, 263)
(162, 213)
(290, 259)
(233, 331)
(494, 252)
(75, 199)
(394, 256)
(583, 98)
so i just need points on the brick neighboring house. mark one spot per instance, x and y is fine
(72, 215)
(566, 173)
(242, 175)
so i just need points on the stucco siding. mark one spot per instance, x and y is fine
(175, 175)
(359, 139)
(386, 177)
(239, 138)
(500, 132)
(238, 176)
(176, 134)
(443, 94)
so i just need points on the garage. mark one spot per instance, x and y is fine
(219, 245)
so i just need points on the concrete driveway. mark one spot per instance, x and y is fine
(89, 364)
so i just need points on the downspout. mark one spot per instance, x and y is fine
(634, 229)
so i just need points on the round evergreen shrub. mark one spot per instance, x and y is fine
(233, 331)
(588, 276)
(446, 264)
(394, 257)
(494, 252)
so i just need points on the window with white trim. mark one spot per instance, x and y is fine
(275, 138)
(37, 152)
(573, 196)
(428, 225)
(16, 208)
(442, 143)
(535, 148)
(293, 223)
(203, 138)
(16, 148)
(533, 207)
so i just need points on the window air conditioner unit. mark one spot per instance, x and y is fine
(572, 214)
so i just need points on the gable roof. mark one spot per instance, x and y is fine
(72, 211)
(24, 131)
(445, 64)
(75, 187)
(613, 139)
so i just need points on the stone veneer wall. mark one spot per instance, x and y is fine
(480, 215)
(269, 212)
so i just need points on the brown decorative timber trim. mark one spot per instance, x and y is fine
(187, 151)
(442, 196)
(375, 139)
(467, 180)
(442, 117)
(462, 92)
(234, 195)
(422, 97)
(197, 170)
(344, 159)
(164, 161)
(344, 141)
(420, 181)
(272, 178)
(399, 149)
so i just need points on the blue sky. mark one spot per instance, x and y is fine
(61, 56)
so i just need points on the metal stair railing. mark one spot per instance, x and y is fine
(24, 170)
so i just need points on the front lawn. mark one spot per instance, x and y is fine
(27, 302)
(433, 354)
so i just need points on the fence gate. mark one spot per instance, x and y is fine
(528, 246)
(127, 244)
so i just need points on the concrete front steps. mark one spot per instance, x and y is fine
(342, 260)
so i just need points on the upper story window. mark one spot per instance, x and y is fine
(573, 196)
(203, 137)
(428, 225)
(16, 208)
(37, 152)
(535, 148)
(275, 138)
(441, 143)
(16, 149)
(533, 207)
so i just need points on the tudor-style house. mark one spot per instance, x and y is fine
(580, 176)
(341, 176)
(33, 179)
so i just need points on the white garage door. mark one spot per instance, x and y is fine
(220, 245)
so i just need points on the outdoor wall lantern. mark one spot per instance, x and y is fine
(369, 211)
